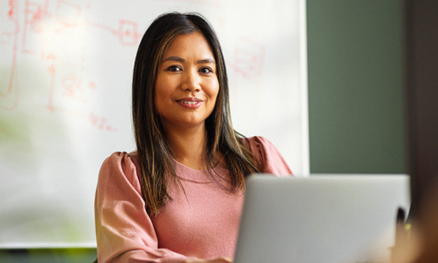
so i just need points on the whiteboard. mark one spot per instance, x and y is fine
(65, 87)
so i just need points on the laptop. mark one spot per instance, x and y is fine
(321, 218)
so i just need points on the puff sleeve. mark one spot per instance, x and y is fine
(269, 156)
(124, 231)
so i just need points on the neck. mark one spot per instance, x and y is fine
(188, 146)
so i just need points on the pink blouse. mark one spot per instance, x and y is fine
(203, 222)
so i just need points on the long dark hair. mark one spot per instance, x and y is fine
(154, 154)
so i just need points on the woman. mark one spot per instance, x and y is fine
(179, 197)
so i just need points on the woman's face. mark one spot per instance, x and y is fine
(187, 84)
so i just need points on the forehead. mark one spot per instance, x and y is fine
(189, 44)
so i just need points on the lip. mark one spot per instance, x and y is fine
(190, 103)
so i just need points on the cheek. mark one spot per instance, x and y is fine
(162, 91)
(214, 90)
(213, 94)
(159, 98)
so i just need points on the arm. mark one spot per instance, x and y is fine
(124, 231)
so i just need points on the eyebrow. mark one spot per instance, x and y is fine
(178, 59)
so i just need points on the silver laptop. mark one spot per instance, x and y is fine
(321, 218)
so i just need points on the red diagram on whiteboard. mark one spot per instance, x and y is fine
(249, 58)
(32, 25)
(9, 38)
(247, 64)
(41, 29)
(128, 33)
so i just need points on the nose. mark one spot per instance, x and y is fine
(191, 81)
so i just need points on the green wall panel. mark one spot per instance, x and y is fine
(355, 76)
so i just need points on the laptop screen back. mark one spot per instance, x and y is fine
(321, 218)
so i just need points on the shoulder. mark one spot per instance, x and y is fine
(268, 155)
(258, 141)
(121, 157)
(259, 146)
(120, 161)
(120, 167)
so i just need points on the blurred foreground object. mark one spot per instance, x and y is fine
(419, 245)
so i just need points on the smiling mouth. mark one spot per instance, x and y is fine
(189, 102)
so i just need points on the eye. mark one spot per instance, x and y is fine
(206, 70)
(174, 68)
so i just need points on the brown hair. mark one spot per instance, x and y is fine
(154, 154)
